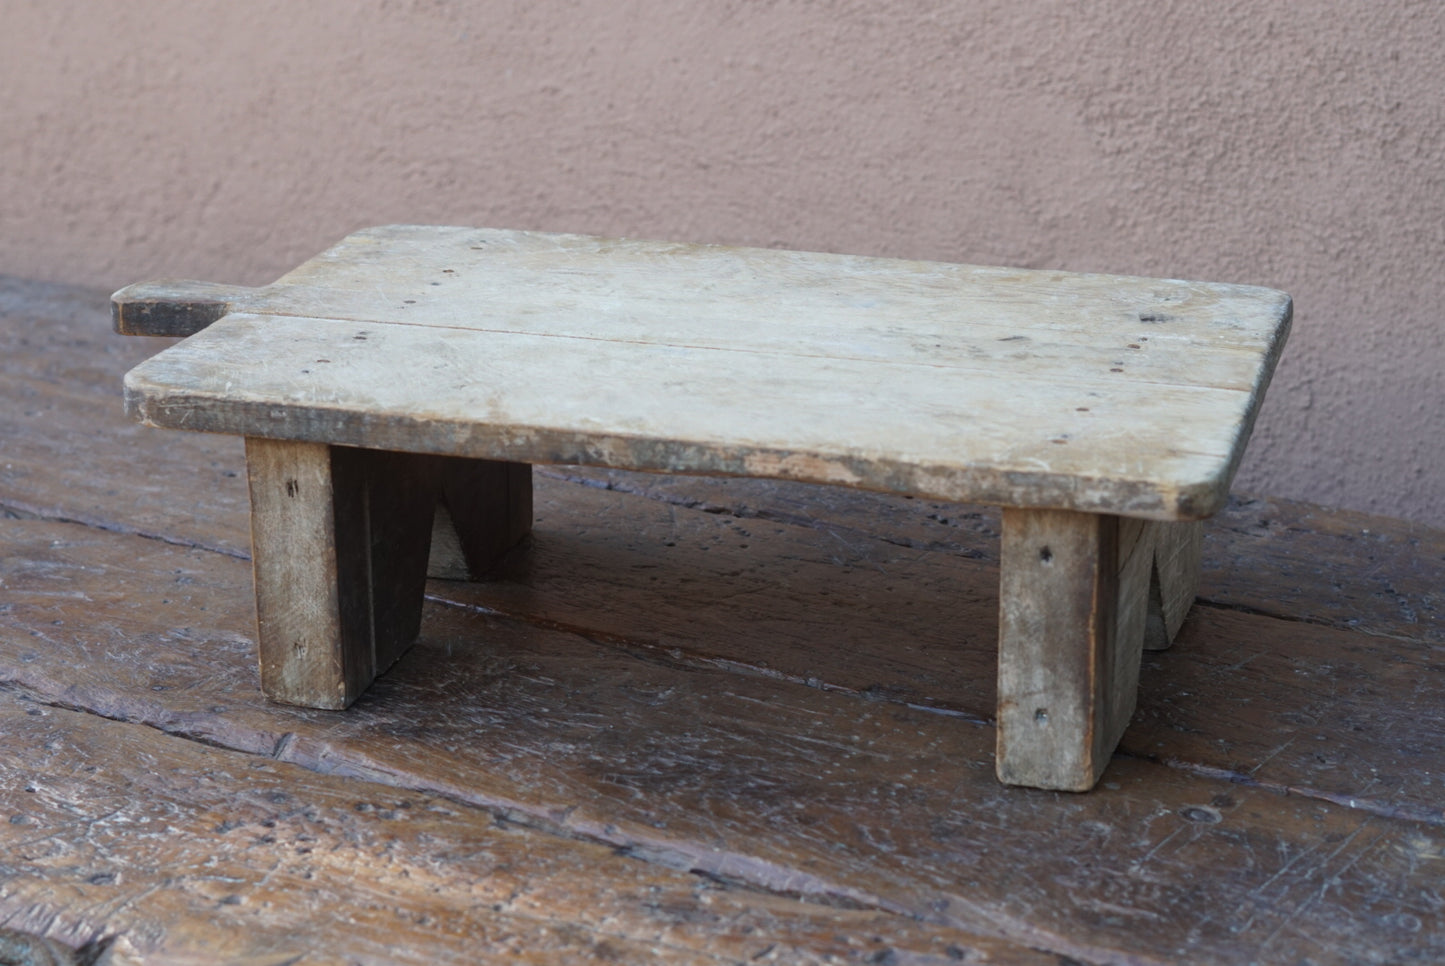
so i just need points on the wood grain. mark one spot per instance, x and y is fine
(851, 397)
(826, 573)
(340, 542)
(70, 452)
(1074, 600)
(311, 646)
(212, 856)
(687, 716)
(483, 510)
(173, 307)
(1015, 388)
(1178, 547)
(844, 797)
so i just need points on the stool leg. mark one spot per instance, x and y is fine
(339, 542)
(1074, 598)
(1178, 547)
(483, 509)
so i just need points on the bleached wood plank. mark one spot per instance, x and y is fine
(1085, 337)
(620, 288)
(1021, 361)
(947, 434)
(731, 297)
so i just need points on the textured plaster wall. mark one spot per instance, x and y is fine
(1294, 144)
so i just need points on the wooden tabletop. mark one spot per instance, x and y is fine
(697, 721)
(1002, 386)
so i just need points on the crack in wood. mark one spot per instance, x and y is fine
(21, 511)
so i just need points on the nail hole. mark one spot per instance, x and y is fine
(1041, 715)
(1046, 555)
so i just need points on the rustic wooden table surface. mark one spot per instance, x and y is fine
(696, 721)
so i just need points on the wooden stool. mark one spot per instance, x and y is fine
(404, 381)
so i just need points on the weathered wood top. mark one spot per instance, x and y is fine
(733, 721)
(1011, 387)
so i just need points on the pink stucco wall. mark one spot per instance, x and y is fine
(1294, 144)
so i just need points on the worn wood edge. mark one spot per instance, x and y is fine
(1205, 498)
(1217, 494)
(163, 407)
(175, 307)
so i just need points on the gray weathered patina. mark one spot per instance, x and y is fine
(1107, 412)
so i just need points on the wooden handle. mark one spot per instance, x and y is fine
(173, 307)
